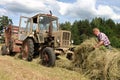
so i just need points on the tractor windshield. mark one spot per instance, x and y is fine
(46, 22)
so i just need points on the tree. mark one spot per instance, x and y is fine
(84, 27)
(75, 33)
(4, 21)
(97, 22)
(110, 23)
(66, 26)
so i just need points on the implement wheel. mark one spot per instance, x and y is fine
(4, 50)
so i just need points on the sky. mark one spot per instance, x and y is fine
(65, 10)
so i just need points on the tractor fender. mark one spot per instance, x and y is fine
(35, 41)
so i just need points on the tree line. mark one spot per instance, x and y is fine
(82, 30)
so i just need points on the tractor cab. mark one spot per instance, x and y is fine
(42, 24)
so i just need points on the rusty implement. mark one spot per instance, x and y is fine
(12, 44)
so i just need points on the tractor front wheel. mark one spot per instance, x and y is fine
(48, 57)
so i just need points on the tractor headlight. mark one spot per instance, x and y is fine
(32, 32)
(58, 40)
(72, 41)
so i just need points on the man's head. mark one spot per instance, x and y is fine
(96, 31)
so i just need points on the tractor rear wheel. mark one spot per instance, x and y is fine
(28, 50)
(48, 57)
(4, 50)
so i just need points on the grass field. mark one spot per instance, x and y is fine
(15, 69)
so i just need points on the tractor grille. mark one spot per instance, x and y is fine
(66, 39)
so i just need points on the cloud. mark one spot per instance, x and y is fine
(87, 9)
(116, 8)
(79, 9)
(2, 11)
(20, 6)
(106, 11)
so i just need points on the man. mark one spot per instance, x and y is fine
(102, 39)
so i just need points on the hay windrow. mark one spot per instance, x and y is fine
(101, 63)
(98, 64)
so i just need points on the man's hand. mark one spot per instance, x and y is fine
(98, 45)
(94, 47)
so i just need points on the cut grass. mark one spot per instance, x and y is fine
(16, 69)
(55, 73)
(4, 75)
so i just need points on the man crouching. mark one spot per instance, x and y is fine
(102, 39)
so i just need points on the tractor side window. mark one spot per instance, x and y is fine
(28, 26)
(34, 26)
(24, 27)
(23, 24)
(54, 23)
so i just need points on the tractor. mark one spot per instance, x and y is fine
(41, 36)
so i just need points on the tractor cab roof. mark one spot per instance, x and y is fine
(51, 17)
(45, 15)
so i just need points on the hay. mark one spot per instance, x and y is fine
(98, 64)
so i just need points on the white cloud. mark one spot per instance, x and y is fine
(86, 9)
(3, 12)
(106, 11)
(26, 6)
(82, 9)
(64, 7)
